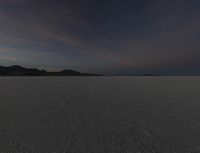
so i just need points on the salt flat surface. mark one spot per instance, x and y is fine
(100, 114)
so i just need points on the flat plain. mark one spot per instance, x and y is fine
(100, 114)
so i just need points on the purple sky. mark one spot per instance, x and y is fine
(123, 37)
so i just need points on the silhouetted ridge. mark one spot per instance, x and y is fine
(70, 72)
(16, 70)
(148, 75)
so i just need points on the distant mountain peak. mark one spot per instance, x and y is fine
(15, 66)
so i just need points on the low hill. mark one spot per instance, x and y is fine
(16, 70)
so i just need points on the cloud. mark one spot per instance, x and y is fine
(8, 58)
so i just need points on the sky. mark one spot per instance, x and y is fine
(115, 37)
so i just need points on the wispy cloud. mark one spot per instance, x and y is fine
(8, 58)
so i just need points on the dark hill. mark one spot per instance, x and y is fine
(17, 70)
(148, 75)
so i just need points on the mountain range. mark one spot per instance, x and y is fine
(16, 70)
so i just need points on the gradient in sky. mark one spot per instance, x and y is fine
(123, 37)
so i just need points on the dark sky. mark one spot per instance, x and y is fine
(102, 36)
